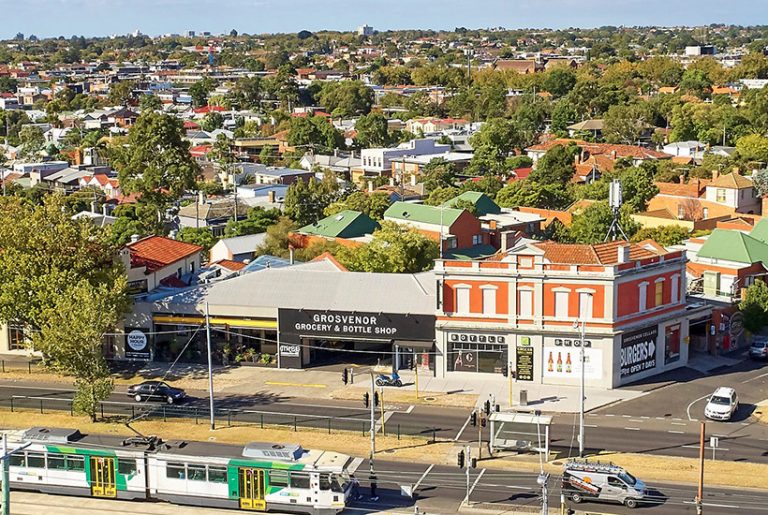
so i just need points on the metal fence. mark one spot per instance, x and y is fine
(225, 416)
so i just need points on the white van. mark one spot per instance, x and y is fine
(583, 480)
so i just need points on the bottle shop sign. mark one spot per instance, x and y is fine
(566, 362)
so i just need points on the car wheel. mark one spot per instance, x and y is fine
(630, 503)
(137, 398)
(169, 399)
(576, 498)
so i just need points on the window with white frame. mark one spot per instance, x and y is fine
(642, 297)
(585, 305)
(489, 300)
(561, 304)
(477, 239)
(525, 308)
(675, 289)
(659, 293)
(462, 299)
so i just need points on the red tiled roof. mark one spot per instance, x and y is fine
(234, 266)
(188, 124)
(605, 149)
(156, 252)
(208, 109)
(599, 254)
(200, 150)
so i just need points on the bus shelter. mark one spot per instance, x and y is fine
(522, 432)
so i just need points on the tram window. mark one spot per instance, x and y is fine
(217, 474)
(175, 471)
(278, 478)
(76, 463)
(299, 480)
(17, 460)
(325, 481)
(196, 472)
(57, 461)
(126, 466)
(36, 461)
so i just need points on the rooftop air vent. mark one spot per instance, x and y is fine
(271, 451)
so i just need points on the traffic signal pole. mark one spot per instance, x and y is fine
(372, 476)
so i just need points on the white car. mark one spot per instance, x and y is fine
(722, 404)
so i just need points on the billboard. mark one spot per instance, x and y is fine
(565, 362)
(638, 351)
(136, 344)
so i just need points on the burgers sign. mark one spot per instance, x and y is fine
(638, 351)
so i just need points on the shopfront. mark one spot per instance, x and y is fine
(310, 337)
(477, 352)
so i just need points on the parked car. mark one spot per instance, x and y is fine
(722, 404)
(156, 390)
(759, 348)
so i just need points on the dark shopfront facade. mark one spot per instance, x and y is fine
(309, 337)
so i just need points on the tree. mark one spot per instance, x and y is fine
(59, 278)
(555, 167)
(439, 196)
(154, 162)
(438, 173)
(753, 148)
(372, 131)
(666, 235)
(8, 84)
(248, 93)
(347, 98)
(560, 81)
(492, 145)
(760, 181)
(258, 220)
(755, 307)
(625, 123)
(200, 90)
(531, 194)
(637, 188)
(591, 226)
(394, 249)
(121, 93)
(315, 132)
(212, 121)
(372, 204)
(306, 201)
(32, 141)
(198, 235)
(276, 241)
(150, 103)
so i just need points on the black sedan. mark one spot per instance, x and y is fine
(156, 390)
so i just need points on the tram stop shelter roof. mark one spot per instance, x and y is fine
(522, 432)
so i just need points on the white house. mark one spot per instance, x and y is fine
(379, 160)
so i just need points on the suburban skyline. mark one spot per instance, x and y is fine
(46, 18)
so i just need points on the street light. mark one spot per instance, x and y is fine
(582, 393)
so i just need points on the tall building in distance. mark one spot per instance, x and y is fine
(365, 30)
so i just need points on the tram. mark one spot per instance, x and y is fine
(256, 477)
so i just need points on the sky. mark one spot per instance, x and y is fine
(46, 18)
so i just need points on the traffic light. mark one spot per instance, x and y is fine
(487, 407)
(375, 398)
(505, 370)
(345, 376)
(473, 418)
(483, 422)
(460, 460)
(473, 461)
(366, 399)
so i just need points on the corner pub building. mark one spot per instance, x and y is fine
(306, 315)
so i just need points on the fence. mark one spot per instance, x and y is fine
(231, 417)
(21, 366)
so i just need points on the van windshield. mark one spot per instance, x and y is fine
(628, 478)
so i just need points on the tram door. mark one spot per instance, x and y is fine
(103, 477)
(252, 489)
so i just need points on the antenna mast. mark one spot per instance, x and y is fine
(614, 200)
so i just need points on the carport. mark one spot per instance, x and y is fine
(523, 432)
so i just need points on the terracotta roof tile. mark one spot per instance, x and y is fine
(733, 181)
(156, 252)
(234, 266)
(599, 254)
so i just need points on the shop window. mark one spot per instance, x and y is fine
(659, 300)
(642, 292)
(526, 303)
(462, 299)
(561, 304)
(16, 338)
(489, 300)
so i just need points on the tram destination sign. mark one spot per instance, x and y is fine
(356, 324)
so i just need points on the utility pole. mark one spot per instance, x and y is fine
(582, 394)
(467, 466)
(7, 474)
(700, 493)
(480, 437)
(542, 480)
(210, 365)
(372, 476)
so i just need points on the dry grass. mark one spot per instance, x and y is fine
(648, 467)
(391, 395)
(761, 412)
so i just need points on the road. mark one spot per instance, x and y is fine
(665, 421)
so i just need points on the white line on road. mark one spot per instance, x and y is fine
(590, 425)
(688, 411)
(635, 420)
(472, 488)
(679, 424)
(676, 432)
(409, 410)
(35, 388)
(754, 378)
(610, 415)
(462, 429)
(645, 417)
(713, 505)
(418, 483)
(632, 428)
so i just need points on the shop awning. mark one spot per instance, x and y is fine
(415, 344)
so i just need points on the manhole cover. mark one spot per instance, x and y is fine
(429, 399)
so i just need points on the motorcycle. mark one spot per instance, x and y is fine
(385, 380)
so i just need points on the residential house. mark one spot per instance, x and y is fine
(154, 261)
(693, 150)
(435, 125)
(211, 213)
(602, 154)
(348, 227)
(378, 161)
(524, 66)
(239, 248)
(274, 175)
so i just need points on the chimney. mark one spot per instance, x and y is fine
(682, 178)
(696, 183)
(271, 196)
(172, 234)
(93, 207)
(135, 238)
(105, 209)
(413, 179)
(577, 158)
(623, 254)
(290, 254)
(370, 186)
(715, 174)
(613, 154)
(201, 197)
(391, 181)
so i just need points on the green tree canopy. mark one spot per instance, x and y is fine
(257, 221)
(306, 201)
(346, 98)
(755, 307)
(591, 226)
(372, 131)
(372, 204)
(666, 235)
(394, 249)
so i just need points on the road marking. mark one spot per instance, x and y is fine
(679, 424)
(635, 420)
(609, 415)
(472, 488)
(754, 378)
(707, 447)
(626, 416)
(418, 483)
(676, 432)
(688, 411)
(645, 417)
(306, 385)
(409, 410)
(462, 429)
(632, 428)
(590, 425)
(660, 418)
(713, 505)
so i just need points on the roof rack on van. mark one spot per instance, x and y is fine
(587, 466)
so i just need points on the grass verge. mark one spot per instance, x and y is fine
(392, 395)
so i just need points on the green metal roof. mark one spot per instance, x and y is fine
(344, 224)
(734, 246)
(760, 230)
(482, 202)
(476, 252)
(422, 213)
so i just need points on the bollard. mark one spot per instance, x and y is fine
(102, 410)
(196, 414)
(11, 404)
(133, 412)
(41, 405)
(294, 424)
(262, 420)
(164, 415)
(329, 426)
(29, 366)
(434, 435)
(363, 426)
(229, 418)
(398, 431)
(71, 409)
(3, 366)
